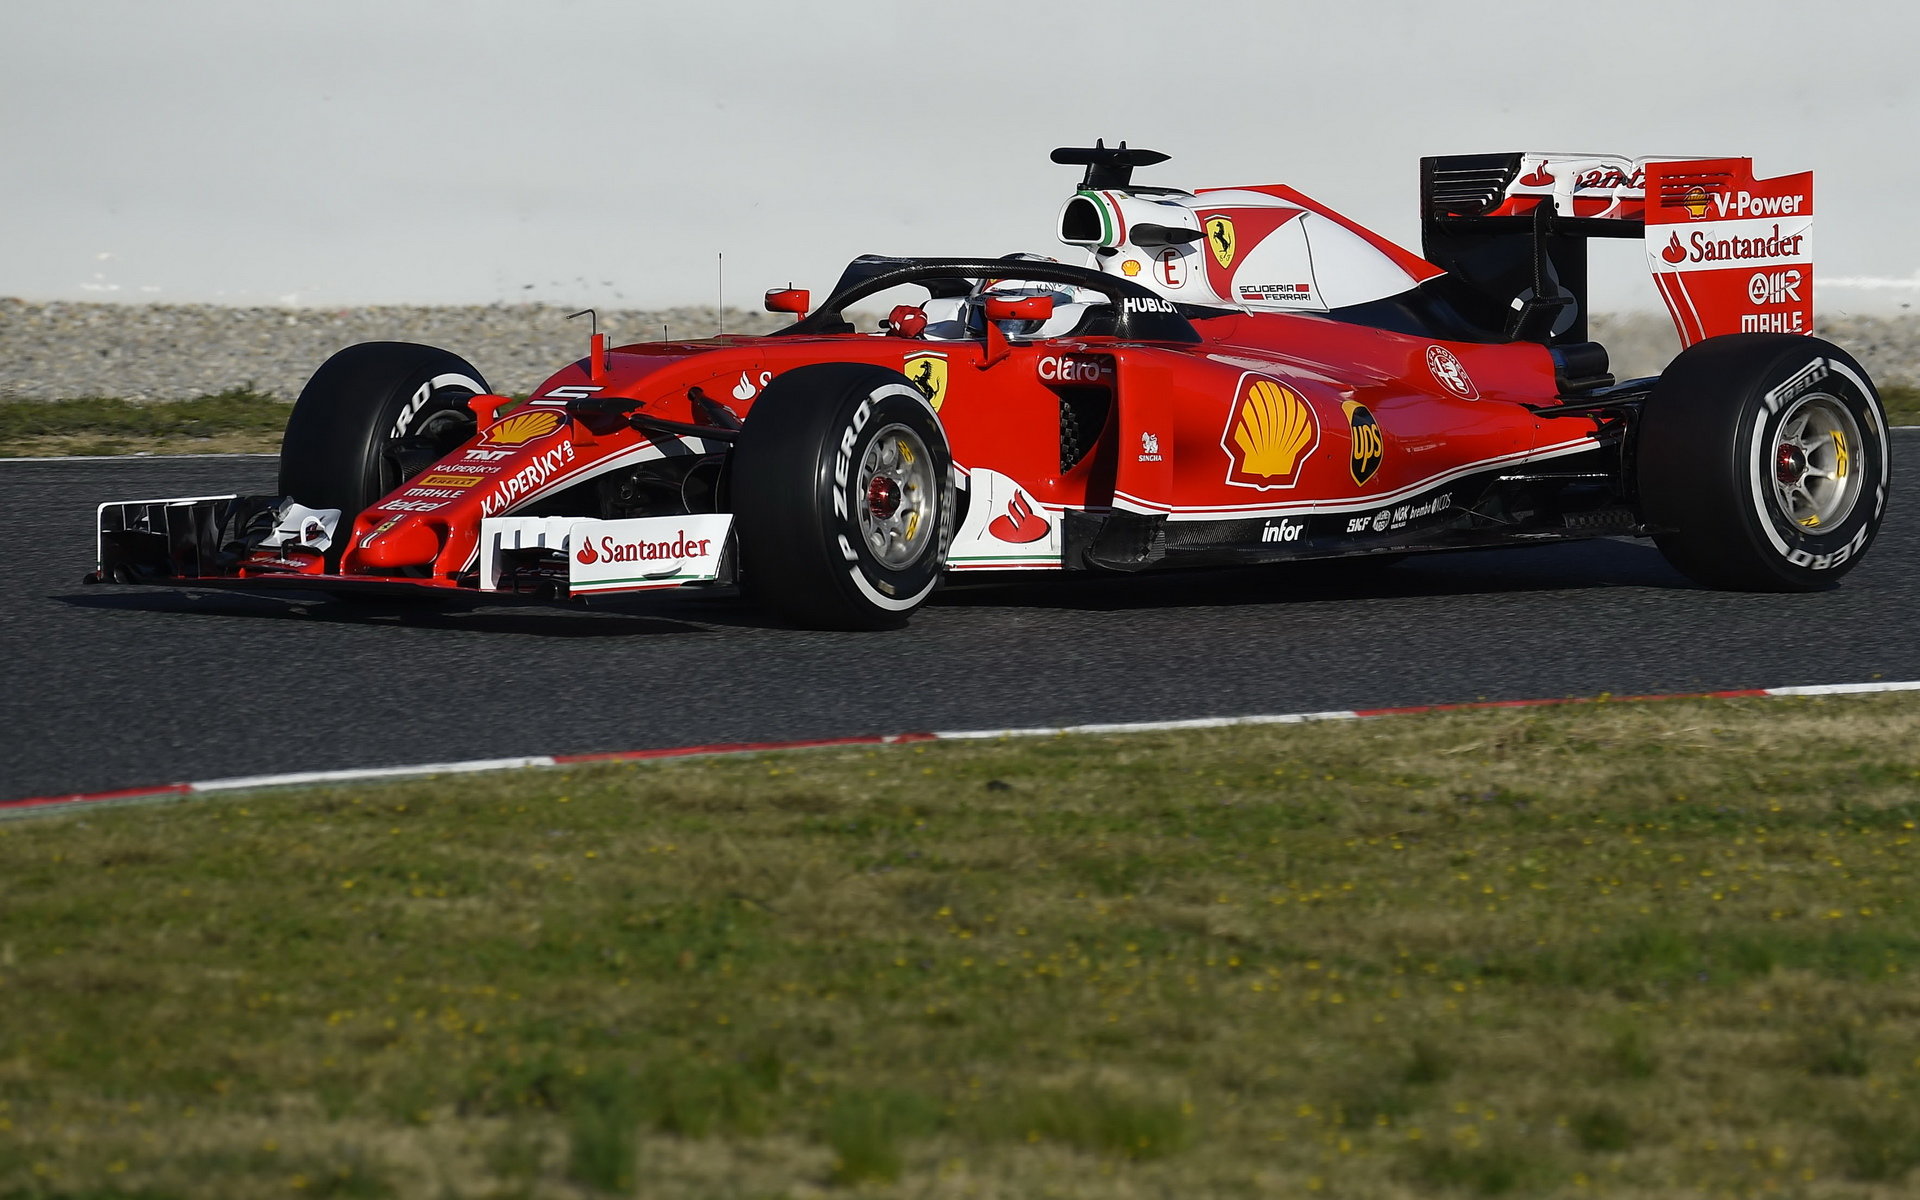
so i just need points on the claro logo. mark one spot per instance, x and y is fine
(1064, 368)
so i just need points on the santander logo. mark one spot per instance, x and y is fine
(1675, 252)
(680, 548)
(1020, 524)
(1538, 177)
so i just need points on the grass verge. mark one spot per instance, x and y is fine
(1903, 403)
(238, 420)
(1652, 950)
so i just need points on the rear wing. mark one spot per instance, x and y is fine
(1728, 253)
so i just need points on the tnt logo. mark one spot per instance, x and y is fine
(1774, 287)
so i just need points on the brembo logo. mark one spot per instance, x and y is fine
(527, 480)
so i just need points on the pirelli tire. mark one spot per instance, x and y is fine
(373, 416)
(1762, 463)
(843, 497)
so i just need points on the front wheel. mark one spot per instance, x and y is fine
(1763, 463)
(842, 488)
(373, 416)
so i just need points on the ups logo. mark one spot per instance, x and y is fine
(1367, 449)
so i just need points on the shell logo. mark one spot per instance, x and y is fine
(1695, 202)
(521, 428)
(1271, 432)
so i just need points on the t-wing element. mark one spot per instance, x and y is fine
(1107, 168)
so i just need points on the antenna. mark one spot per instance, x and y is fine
(722, 257)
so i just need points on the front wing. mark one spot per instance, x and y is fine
(218, 541)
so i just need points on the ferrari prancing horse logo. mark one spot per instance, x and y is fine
(1220, 240)
(928, 372)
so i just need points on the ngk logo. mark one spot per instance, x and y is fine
(1774, 287)
(1065, 368)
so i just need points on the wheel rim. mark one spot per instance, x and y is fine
(1815, 479)
(895, 497)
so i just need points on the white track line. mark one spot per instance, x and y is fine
(45, 804)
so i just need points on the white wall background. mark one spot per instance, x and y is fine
(322, 152)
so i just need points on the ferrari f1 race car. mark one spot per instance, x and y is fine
(1239, 375)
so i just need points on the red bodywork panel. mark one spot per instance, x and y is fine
(1271, 414)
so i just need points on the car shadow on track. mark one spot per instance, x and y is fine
(455, 615)
(1567, 567)
(1559, 568)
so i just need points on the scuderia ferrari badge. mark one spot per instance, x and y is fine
(1221, 241)
(928, 372)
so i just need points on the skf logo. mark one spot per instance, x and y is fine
(1221, 241)
(1367, 450)
(928, 372)
(1020, 524)
(1271, 432)
(521, 428)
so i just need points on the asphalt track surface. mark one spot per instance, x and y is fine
(112, 687)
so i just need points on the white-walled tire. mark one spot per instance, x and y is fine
(843, 499)
(1762, 463)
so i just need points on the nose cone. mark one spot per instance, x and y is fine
(405, 542)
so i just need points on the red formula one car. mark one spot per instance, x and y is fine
(1241, 375)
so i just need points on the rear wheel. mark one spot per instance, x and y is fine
(842, 488)
(1763, 462)
(373, 416)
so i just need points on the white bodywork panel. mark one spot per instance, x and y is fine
(1006, 529)
(633, 555)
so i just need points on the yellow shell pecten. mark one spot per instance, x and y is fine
(1275, 426)
(523, 427)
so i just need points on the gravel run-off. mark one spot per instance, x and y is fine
(59, 350)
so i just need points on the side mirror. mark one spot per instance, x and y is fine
(789, 300)
(1019, 308)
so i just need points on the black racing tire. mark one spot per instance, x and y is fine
(1762, 463)
(373, 416)
(843, 497)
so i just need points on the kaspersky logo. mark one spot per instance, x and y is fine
(1221, 240)
(1271, 432)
